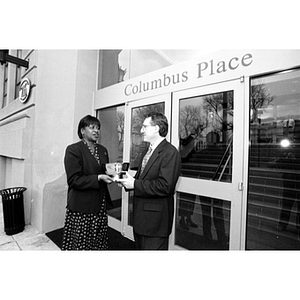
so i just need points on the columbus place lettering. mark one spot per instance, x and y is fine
(156, 83)
(204, 69)
(211, 67)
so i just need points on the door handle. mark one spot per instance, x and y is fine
(240, 186)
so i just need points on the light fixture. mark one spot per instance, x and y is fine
(285, 143)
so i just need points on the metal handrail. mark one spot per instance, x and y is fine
(228, 149)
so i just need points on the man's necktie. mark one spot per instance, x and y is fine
(145, 159)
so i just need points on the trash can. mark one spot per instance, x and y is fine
(13, 210)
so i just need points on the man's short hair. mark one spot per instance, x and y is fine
(160, 120)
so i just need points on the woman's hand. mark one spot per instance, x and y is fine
(105, 178)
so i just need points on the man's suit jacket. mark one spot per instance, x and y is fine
(153, 202)
(85, 192)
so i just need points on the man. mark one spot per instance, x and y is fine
(154, 186)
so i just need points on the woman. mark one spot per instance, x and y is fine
(86, 217)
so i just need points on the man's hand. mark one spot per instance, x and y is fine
(127, 181)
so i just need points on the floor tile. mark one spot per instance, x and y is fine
(13, 246)
(28, 232)
(28, 239)
(4, 238)
(37, 242)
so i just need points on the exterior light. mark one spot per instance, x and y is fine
(285, 143)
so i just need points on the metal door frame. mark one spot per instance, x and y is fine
(234, 191)
(126, 229)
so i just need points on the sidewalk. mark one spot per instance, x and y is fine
(29, 239)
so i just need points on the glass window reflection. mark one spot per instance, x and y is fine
(274, 164)
(133, 63)
(202, 223)
(137, 143)
(206, 129)
(112, 137)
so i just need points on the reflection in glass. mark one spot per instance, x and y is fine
(274, 164)
(112, 137)
(206, 129)
(137, 143)
(130, 208)
(202, 223)
(136, 62)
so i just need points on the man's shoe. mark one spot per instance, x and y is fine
(192, 224)
(183, 225)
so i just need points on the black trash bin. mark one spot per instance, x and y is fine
(13, 210)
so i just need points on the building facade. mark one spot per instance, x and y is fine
(234, 116)
(34, 134)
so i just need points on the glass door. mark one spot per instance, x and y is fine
(112, 137)
(273, 210)
(134, 145)
(207, 124)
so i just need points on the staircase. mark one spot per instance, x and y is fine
(273, 178)
(203, 164)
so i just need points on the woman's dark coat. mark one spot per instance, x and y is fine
(85, 192)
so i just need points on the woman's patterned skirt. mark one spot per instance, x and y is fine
(86, 231)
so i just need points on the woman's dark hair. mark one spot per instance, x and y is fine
(87, 121)
(160, 120)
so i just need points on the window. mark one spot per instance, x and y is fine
(11, 75)
(206, 129)
(202, 223)
(133, 63)
(274, 163)
(112, 137)
(18, 75)
(5, 83)
(137, 144)
(123, 64)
